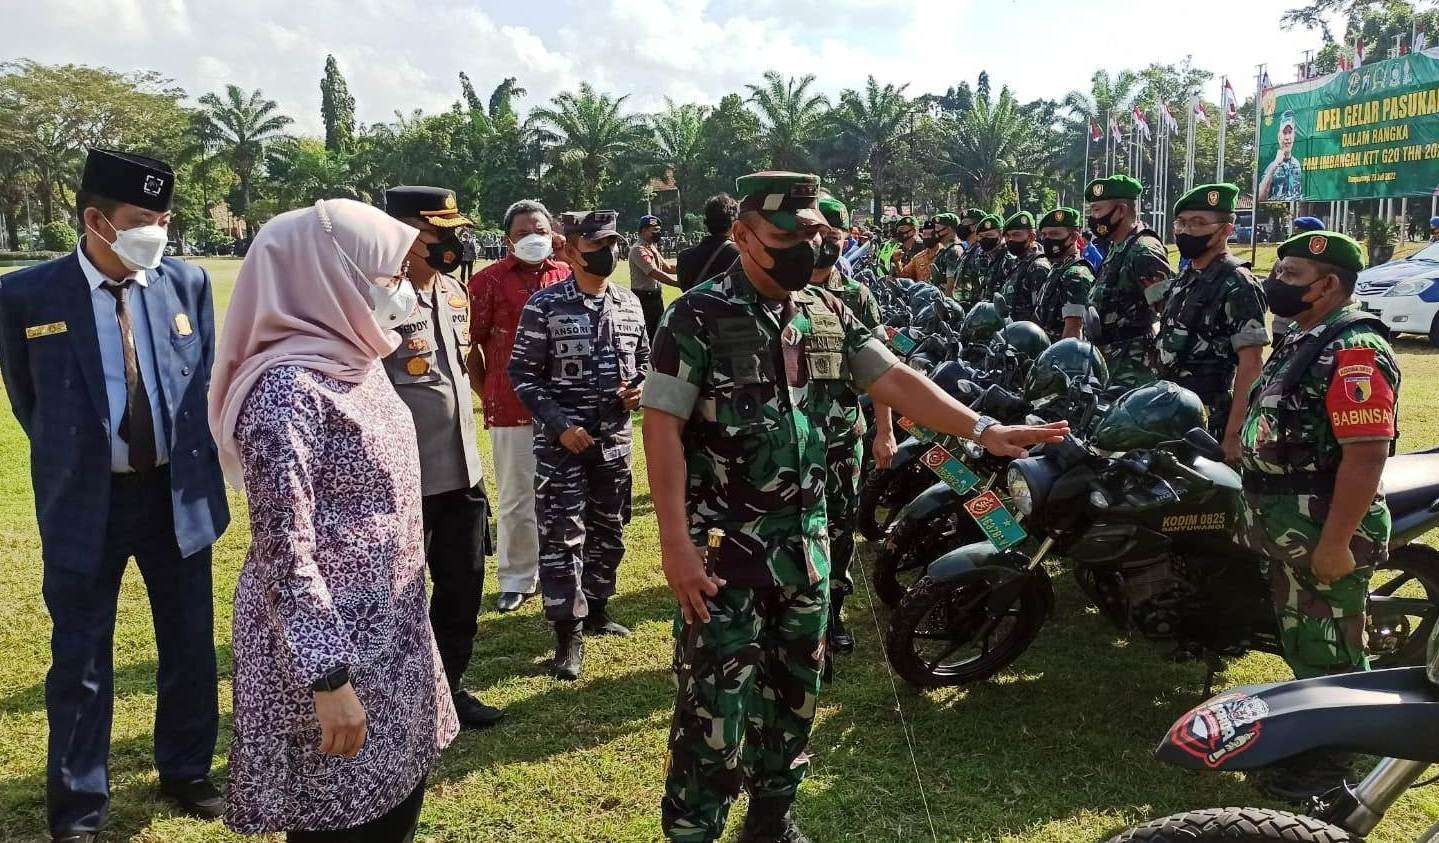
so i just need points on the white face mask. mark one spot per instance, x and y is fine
(534, 248)
(137, 248)
(391, 305)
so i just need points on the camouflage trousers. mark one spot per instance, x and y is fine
(747, 707)
(582, 503)
(1321, 626)
(1129, 362)
(841, 500)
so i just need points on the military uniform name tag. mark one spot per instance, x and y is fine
(918, 431)
(947, 467)
(999, 526)
(48, 330)
(901, 343)
(182, 325)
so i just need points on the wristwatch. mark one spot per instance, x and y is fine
(333, 679)
(982, 424)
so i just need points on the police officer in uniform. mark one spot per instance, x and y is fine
(1321, 423)
(735, 438)
(428, 371)
(1211, 330)
(1131, 282)
(1024, 281)
(579, 351)
(1064, 295)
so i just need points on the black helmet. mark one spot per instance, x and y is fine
(1026, 338)
(1068, 358)
(981, 324)
(1145, 416)
(948, 374)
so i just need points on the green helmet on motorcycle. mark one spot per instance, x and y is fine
(1066, 359)
(980, 324)
(1145, 416)
(1026, 338)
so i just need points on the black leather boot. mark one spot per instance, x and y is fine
(598, 622)
(840, 639)
(569, 651)
(770, 821)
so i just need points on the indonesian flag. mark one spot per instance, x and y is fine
(1358, 52)
(1231, 102)
(1200, 114)
(1167, 120)
(1114, 130)
(1344, 63)
(1421, 40)
(1140, 122)
(1094, 133)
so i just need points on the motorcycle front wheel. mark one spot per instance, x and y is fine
(1399, 624)
(1235, 824)
(950, 632)
(866, 513)
(911, 545)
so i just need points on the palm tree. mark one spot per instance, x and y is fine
(1107, 95)
(990, 143)
(587, 132)
(679, 145)
(871, 124)
(241, 126)
(790, 117)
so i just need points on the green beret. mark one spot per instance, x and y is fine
(1329, 247)
(905, 220)
(989, 222)
(1209, 197)
(1062, 218)
(1022, 221)
(974, 214)
(1114, 187)
(946, 219)
(784, 198)
(835, 213)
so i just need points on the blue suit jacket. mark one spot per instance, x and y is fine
(51, 363)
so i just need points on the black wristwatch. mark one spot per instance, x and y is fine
(333, 679)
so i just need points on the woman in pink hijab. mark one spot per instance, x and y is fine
(340, 701)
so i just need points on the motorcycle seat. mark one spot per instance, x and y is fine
(1411, 482)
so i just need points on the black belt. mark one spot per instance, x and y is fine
(1300, 483)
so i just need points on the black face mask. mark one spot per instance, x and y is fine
(1285, 300)
(963, 232)
(444, 256)
(1018, 248)
(931, 241)
(988, 245)
(1192, 245)
(828, 254)
(1103, 226)
(905, 235)
(600, 263)
(1055, 247)
(793, 265)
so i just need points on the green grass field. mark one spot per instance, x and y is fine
(1059, 748)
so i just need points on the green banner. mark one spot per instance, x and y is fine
(1356, 134)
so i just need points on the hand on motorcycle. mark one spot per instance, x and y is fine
(684, 568)
(1331, 562)
(1005, 440)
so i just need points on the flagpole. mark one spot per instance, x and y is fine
(1223, 126)
(1088, 139)
(1159, 132)
(1189, 148)
(1254, 202)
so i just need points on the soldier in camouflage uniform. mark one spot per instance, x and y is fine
(1064, 296)
(998, 261)
(846, 426)
(1211, 330)
(944, 272)
(975, 268)
(579, 347)
(1283, 179)
(1314, 443)
(735, 435)
(1131, 282)
(1025, 279)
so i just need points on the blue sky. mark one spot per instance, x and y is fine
(404, 54)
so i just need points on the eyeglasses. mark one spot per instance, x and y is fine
(1195, 226)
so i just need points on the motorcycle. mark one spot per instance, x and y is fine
(1151, 535)
(1385, 713)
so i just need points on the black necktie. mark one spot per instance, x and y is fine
(137, 425)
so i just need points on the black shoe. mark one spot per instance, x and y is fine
(770, 821)
(198, 797)
(599, 623)
(569, 651)
(510, 601)
(840, 639)
(75, 837)
(474, 714)
(1305, 778)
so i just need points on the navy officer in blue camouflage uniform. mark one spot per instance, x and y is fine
(579, 352)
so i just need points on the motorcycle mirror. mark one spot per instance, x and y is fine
(1204, 445)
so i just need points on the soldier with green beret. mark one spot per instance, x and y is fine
(999, 260)
(1211, 328)
(737, 404)
(968, 225)
(1064, 295)
(1021, 284)
(944, 272)
(973, 270)
(1321, 423)
(1131, 282)
(906, 236)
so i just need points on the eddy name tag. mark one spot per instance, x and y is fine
(947, 467)
(37, 331)
(999, 526)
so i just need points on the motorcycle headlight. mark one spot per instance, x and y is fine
(1411, 287)
(1019, 491)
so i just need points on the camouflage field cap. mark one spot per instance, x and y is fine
(1062, 217)
(1329, 247)
(1113, 187)
(787, 200)
(591, 225)
(1209, 197)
